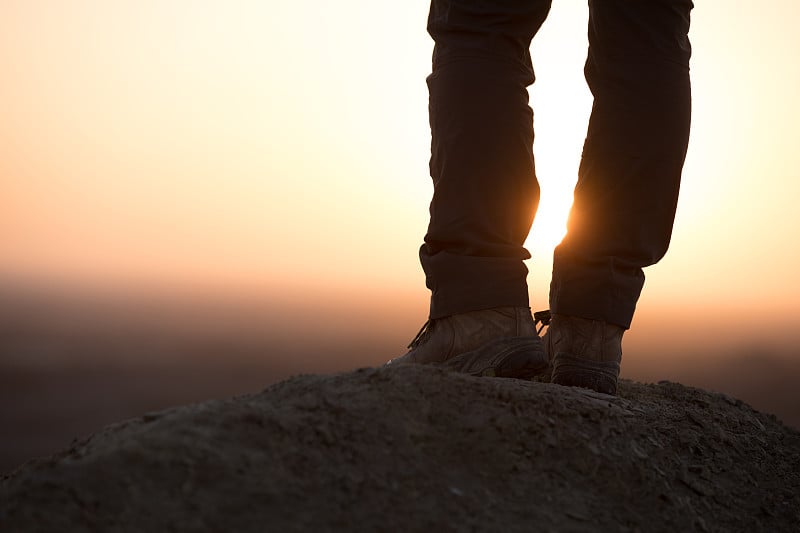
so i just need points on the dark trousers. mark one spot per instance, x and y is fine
(485, 188)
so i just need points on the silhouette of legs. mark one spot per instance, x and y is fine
(486, 194)
(485, 189)
(627, 190)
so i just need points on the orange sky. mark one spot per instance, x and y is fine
(285, 144)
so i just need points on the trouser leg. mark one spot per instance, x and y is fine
(485, 189)
(627, 191)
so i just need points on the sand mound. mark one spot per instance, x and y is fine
(419, 449)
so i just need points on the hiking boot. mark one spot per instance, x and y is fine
(584, 353)
(492, 342)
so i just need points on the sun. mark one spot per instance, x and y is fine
(550, 224)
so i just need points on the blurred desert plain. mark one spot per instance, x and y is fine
(200, 198)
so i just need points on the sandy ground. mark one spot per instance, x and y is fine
(420, 449)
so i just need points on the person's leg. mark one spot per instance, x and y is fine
(485, 189)
(627, 191)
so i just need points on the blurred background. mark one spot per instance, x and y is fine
(199, 198)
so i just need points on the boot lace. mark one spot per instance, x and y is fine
(423, 334)
(539, 317)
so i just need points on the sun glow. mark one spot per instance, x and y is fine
(550, 225)
(145, 139)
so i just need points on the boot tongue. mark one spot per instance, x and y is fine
(542, 317)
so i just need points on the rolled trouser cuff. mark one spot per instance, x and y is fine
(461, 283)
(606, 289)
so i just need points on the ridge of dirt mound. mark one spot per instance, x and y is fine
(420, 449)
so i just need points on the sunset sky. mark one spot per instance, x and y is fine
(285, 145)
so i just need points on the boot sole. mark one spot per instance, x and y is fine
(509, 357)
(600, 376)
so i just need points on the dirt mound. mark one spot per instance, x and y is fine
(419, 449)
